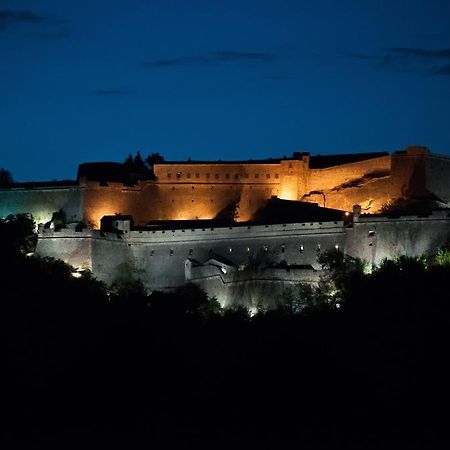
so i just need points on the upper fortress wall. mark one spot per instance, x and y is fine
(206, 190)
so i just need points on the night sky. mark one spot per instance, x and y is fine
(94, 80)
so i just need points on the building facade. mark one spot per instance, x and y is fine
(244, 263)
(244, 231)
(207, 190)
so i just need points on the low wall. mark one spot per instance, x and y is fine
(375, 238)
(260, 260)
(158, 256)
(42, 202)
(263, 287)
(73, 247)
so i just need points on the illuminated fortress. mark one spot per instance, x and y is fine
(202, 190)
(206, 190)
(238, 228)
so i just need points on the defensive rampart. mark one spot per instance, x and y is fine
(206, 190)
(284, 253)
(243, 261)
(42, 202)
(374, 238)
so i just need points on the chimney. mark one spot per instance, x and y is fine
(356, 213)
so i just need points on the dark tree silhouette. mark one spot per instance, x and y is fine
(139, 164)
(154, 158)
(409, 206)
(6, 179)
(17, 233)
(174, 371)
(136, 169)
(128, 164)
(184, 302)
(230, 212)
(58, 220)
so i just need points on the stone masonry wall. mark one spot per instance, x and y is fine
(73, 247)
(375, 238)
(261, 260)
(190, 191)
(437, 170)
(364, 183)
(43, 202)
(158, 257)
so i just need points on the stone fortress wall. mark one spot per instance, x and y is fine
(366, 183)
(42, 202)
(189, 191)
(437, 175)
(236, 262)
(374, 238)
(242, 262)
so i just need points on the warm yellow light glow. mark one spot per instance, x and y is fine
(288, 193)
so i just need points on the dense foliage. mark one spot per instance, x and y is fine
(119, 367)
(410, 206)
(137, 168)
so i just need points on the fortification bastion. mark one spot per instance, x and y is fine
(238, 228)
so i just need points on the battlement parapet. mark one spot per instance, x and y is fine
(236, 232)
(443, 214)
(44, 233)
(115, 185)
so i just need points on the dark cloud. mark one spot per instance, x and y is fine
(182, 61)
(410, 59)
(220, 57)
(443, 70)
(9, 18)
(225, 56)
(43, 28)
(420, 52)
(110, 92)
(364, 57)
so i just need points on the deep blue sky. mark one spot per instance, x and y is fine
(94, 80)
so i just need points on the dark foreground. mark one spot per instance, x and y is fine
(124, 370)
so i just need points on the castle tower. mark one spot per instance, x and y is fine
(294, 176)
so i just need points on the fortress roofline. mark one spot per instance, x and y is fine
(315, 161)
(42, 184)
(219, 161)
(275, 211)
(323, 161)
(295, 156)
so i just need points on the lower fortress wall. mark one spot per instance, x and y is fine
(74, 248)
(241, 263)
(375, 238)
